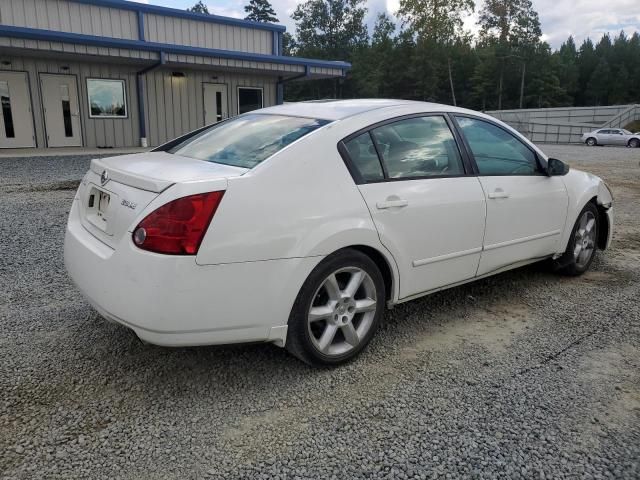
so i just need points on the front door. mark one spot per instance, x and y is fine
(429, 215)
(617, 137)
(526, 209)
(61, 110)
(16, 121)
(215, 102)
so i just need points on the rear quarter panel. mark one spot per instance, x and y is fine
(301, 202)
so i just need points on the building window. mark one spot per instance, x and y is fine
(66, 110)
(5, 104)
(249, 98)
(106, 98)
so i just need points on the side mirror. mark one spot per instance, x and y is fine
(556, 167)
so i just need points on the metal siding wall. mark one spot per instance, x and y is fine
(181, 31)
(95, 132)
(176, 105)
(173, 105)
(66, 16)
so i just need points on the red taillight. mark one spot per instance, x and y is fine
(177, 228)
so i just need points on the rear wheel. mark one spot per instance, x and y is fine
(634, 143)
(582, 245)
(337, 310)
(591, 142)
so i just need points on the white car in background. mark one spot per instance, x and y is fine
(612, 136)
(299, 224)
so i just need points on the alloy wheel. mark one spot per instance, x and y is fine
(342, 311)
(584, 239)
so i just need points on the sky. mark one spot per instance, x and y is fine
(559, 18)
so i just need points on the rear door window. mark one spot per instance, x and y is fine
(364, 158)
(418, 147)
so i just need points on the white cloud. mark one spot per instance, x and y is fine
(586, 18)
(232, 8)
(559, 18)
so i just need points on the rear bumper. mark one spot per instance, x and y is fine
(172, 301)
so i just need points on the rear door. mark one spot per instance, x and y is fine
(604, 137)
(428, 212)
(526, 209)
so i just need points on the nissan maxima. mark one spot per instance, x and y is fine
(300, 224)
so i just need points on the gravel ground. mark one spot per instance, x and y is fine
(523, 375)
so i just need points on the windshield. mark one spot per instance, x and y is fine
(247, 140)
(627, 132)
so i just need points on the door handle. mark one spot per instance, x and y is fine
(498, 193)
(392, 202)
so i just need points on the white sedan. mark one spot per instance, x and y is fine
(299, 224)
(612, 136)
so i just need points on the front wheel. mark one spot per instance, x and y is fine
(582, 245)
(591, 142)
(337, 310)
(634, 143)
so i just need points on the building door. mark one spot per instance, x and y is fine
(16, 121)
(61, 110)
(215, 103)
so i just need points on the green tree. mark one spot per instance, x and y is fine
(329, 29)
(597, 92)
(374, 65)
(568, 73)
(199, 8)
(437, 25)
(587, 63)
(260, 11)
(439, 21)
(512, 27)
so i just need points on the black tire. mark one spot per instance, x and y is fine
(634, 143)
(592, 142)
(568, 264)
(299, 342)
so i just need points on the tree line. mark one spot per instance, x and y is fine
(429, 56)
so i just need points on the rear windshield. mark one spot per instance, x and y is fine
(247, 140)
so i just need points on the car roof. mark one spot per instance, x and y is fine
(340, 109)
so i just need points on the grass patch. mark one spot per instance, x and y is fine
(633, 126)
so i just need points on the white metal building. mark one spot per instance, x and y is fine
(113, 73)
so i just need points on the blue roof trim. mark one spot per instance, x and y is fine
(109, 42)
(175, 12)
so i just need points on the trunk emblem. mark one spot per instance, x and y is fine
(104, 178)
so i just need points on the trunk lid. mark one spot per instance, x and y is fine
(117, 189)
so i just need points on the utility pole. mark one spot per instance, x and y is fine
(453, 93)
(524, 68)
(500, 87)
